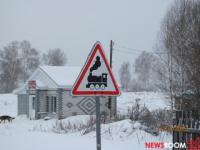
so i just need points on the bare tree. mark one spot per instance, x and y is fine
(18, 60)
(180, 40)
(181, 37)
(10, 67)
(55, 57)
(30, 60)
(125, 75)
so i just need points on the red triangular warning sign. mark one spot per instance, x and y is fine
(96, 77)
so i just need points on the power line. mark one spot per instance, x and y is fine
(132, 50)
(125, 51)
(128, 48)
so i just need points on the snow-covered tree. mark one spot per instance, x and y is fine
(144, 69)
(30, 60)
(125, 75)
(10, 67)
(55, 57)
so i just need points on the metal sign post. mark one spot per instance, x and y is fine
(98, 123)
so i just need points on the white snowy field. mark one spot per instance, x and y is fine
(8, 104)
(25, 134)
(152, 100)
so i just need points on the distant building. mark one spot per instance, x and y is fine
(48, 93)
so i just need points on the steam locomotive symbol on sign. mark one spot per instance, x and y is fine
(96, 82)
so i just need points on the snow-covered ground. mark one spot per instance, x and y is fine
(24, 134)
(8, 104)
(152, 100)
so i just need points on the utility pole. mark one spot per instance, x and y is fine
(111, 53)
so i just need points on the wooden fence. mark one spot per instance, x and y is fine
(191, 124)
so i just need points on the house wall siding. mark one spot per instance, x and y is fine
(23, 106)
(67, 105)
(83, 105)
(60, 103)
(41, 104)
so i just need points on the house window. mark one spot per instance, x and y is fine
(51, 102)
(33, 102)
(55, 104)
(109, 103)
(47, 100)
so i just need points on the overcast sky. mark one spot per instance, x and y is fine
(74, 25)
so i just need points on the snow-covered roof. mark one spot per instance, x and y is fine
(62, 75)
(52, 77)
(40, 84)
